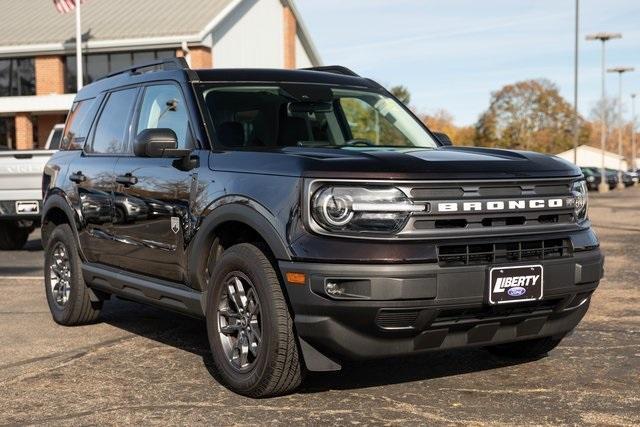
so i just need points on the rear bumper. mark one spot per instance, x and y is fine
(8, 210)
(423, 307)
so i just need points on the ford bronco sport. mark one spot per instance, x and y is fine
(310, 219)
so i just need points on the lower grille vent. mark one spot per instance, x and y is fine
(397, 319)
(488, 253)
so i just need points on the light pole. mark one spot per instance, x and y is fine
(633, 133)
(604, 38)
(620, 71)
(576, 132)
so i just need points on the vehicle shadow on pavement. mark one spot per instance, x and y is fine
(421, 367)
(190, 335)
(33, 245)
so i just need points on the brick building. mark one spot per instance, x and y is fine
(37, 49)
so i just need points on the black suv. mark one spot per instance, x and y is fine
(311, 219)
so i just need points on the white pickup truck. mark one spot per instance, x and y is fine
(21, 190)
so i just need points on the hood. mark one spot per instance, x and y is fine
(384, 163)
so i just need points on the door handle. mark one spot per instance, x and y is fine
(127, 180)
(77, 177)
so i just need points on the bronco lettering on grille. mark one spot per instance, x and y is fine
(501, 205)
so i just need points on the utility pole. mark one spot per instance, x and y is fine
(604, 38)
(79, 74)
(634, 154)
(620, 71)
(576, 131)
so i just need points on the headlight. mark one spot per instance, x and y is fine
(581, 197)
(591, 178)
(361, 209)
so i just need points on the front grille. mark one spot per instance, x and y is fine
(488, 253)
(480, 222)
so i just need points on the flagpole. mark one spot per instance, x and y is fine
(79, 77)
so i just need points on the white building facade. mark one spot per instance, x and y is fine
(589, 156)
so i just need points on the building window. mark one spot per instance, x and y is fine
(97, 65)
(17, 77)
(7, 132)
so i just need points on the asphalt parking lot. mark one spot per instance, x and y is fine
(144, 366)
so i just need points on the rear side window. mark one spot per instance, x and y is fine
(78, 124)
(110, 132)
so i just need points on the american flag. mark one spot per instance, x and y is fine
(65, 6)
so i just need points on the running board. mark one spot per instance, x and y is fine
(146, 290)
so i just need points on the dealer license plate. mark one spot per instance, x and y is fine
(515, 284)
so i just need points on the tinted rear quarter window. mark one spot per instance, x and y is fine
(78, 124)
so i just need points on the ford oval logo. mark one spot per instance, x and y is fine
(516, 291)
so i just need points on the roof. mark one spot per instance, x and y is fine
(282, 75)
(240, 75)
(34, 26)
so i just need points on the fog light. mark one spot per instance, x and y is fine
(348, 288)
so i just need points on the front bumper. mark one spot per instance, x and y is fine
(423, 307)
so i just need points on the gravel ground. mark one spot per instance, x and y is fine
(144, 366)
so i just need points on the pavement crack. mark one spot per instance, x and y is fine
(67, 356)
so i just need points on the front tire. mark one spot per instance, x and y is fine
(12, 236)
(528, 349)
(249, 326)
(68, 297)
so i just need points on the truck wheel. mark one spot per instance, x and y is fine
(249, 327)
(12, 236)
(68, 297)
(525, 349)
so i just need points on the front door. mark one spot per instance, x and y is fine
(152, 195)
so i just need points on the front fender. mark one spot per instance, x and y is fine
(233, 208)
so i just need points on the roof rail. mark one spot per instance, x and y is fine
(334, 69)
(163, 64)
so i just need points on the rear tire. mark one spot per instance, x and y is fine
(12, 236)
(257, 367)
(525, 349)
(68, 296)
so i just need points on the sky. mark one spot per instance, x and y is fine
(452, 54)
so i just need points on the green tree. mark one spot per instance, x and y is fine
(402, 93)
(528, 115)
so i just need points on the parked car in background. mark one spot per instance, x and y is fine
(55, 136)
(21, 190)
(627, 179)
(635, 176)
(593, 177)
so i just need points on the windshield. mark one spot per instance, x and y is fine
(299, 115)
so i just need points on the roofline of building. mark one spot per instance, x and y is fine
(155, 42)
(54, 103)
(97, 45)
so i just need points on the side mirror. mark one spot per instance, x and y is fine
(158, 142)
(443, 139)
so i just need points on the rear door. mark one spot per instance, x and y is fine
(152, 195)
(93, 174)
